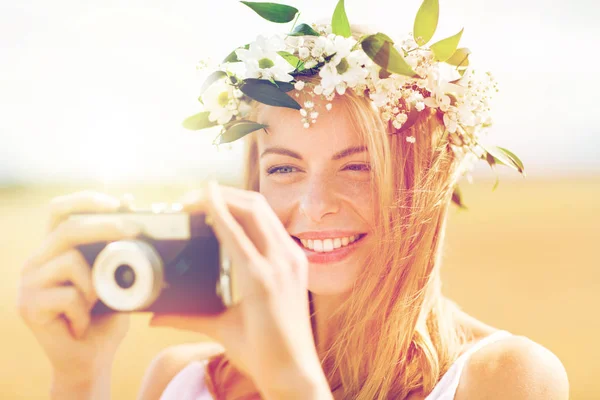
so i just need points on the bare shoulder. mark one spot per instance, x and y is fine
(513, 368)
(170, 362)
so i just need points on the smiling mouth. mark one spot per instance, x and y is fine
(328, 245)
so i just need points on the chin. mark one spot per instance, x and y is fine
(331, 279)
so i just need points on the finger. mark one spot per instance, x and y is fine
(255, 209)
(85, 201)
(69, 267)
(256, 217)
(232, 236)
(76, 232)
(51, 303)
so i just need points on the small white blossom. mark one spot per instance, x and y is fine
(299, 85)
(314, 114)
(303, 112)
(306, 125)
(309, 104)
(318, 90)
(401, 118)
(410, 139)
(450, 121)
(303, 53)
(328, 106)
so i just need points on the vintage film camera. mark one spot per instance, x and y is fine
(175, 266)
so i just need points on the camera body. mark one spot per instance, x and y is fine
(175, 266)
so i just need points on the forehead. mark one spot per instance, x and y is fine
(334, 130)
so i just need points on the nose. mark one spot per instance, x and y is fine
(319, 199)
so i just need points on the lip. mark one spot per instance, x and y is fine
(331, 256)
(336, 233)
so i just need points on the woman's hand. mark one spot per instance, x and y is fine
(56, 294)
(268, 333)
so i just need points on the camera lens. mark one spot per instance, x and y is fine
(125, 276)
(128, 275)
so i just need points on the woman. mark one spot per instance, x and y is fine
(350, 210)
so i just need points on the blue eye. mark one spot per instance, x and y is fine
(276, 170)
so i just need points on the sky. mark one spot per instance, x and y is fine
(97, 90)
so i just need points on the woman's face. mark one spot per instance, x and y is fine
(318, 183)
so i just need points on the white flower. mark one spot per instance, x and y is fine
(345, 68)
(442, 102)
(328, 106)
(299, 85)
(410, 139)
(303, 53)
(450, 121)
(219, 100)
(262, 60)
(323, 46)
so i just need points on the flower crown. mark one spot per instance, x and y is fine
(401, 79)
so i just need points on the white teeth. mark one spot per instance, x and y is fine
(328, 244)
(318, 245)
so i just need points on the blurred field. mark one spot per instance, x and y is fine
(522, 258)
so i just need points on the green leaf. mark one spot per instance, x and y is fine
(198, 121)
(292, 59)
(304, 30)
(232, 57)
(383, 74)
(339, 22)
(381, 50)
(457, 198)
(460, 58)
(284, 86)
(238, 130)
(426, 21)
(444, 49)
(505, 157)
(215, 76)
(517, 161)
(268, 93)
(273, 12)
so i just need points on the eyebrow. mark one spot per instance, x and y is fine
(339, 155)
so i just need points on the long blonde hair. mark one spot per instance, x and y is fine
(397, 334)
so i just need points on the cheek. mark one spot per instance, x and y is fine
(280, 197)
(284, 197)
